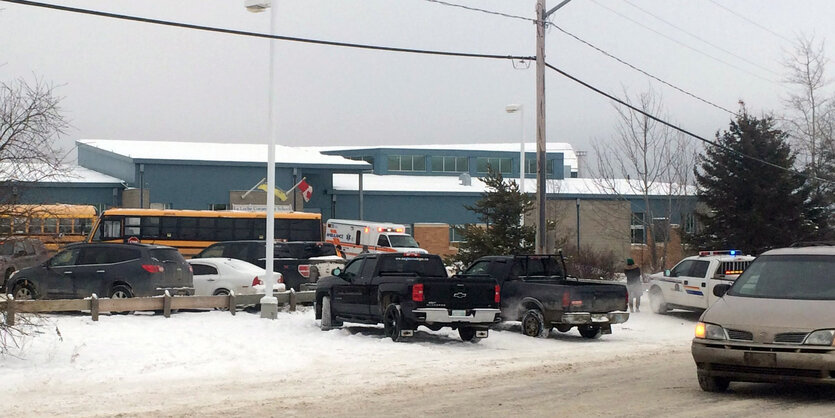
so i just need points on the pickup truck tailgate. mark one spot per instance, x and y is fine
(592, 297)
(454, 293)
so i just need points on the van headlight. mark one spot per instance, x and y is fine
(821, 337)
(710, 331)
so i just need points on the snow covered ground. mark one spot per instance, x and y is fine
(66, 365)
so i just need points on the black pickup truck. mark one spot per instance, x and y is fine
(536, 291)
(404, 290)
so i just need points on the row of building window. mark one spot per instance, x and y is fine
(450, 164)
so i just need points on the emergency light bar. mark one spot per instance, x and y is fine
(719, 252)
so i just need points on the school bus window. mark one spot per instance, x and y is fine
(188, 229)
(225, 229)
(168, 227)
(19, 226)
(65, 226)
(150, 227)
(50, 226)
(35, 226)
(205, 229)
(5, 226)
(83, 226)
(111, 229)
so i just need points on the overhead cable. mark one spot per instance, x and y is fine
(642, 71)
(697, 37)
(753, 22)
(682, 43)
(263, 35)
(476, 9)
(682, 130)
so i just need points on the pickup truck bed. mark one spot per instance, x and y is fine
(535, 291)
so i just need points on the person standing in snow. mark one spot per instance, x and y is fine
(634, 285)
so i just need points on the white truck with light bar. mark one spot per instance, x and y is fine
(689, 285)
(354, 237)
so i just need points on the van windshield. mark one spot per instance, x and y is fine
(788, 277)
(403, 241)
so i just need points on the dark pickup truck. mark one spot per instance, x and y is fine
(404, 290)
(536, 291)
(300, 263)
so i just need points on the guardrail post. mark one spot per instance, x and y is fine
(10, 308)
(166, 305)
(232, 305)
(94, 307)
(292, 300)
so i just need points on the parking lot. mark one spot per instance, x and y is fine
(211, 363)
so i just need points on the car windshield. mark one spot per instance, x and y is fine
(403, 241)
(788, 277)
(7, 248)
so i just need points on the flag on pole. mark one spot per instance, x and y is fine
(306, 189)
(278, 192)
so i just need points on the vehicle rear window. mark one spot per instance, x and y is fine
(788, 277)
(421, 266)
(167, 254)
(730, 268)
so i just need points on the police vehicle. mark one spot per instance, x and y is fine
(689, 285)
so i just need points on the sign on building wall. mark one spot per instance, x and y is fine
(261, 208)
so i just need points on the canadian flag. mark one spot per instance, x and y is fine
(306, 189)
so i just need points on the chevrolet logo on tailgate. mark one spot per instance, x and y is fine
(459, 295)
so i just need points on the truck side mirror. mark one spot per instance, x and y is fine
(336, 271)
(667, 273)
(720, 289)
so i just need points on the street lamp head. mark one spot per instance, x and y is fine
(257, 6)
(511, 108)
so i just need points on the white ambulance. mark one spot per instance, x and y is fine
(355, 237)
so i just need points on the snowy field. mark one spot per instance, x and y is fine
(141, 362)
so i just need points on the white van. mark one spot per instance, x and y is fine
(354, 237)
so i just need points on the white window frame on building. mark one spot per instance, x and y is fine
(406, 163)
(530, 166)
(637, 233)
(502, 165)
(450, 164)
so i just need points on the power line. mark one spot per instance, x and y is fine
(476, 9)
(642, 71)
(697, 37)
(753, 22)
(264, 35)
(682, 130)
(683, 44)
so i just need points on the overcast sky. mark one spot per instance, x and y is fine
(126, 80)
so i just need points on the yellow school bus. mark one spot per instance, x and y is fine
(191, 231)
(55, 225)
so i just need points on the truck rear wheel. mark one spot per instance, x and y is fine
(467, 334)
(656, 301)
(393, 322)
(591, 332)
(533, 324)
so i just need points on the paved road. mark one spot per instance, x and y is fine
(656, 384)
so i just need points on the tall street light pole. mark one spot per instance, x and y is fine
(541, 16)
(269, 303)
(513, 108)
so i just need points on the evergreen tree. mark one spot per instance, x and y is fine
(500, 210)
(752, 206)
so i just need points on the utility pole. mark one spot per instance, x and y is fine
(541, 15)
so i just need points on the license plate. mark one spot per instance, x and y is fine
(760, 359)
(459, 312)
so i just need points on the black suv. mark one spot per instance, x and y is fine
(299, 262)
(108, 270)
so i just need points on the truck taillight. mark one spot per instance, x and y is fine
(566, 299)
(417, 293)
(304, 270)
(497, 295)
(153, 268)
(256, 281)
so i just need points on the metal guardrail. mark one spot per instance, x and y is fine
(166, 304)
